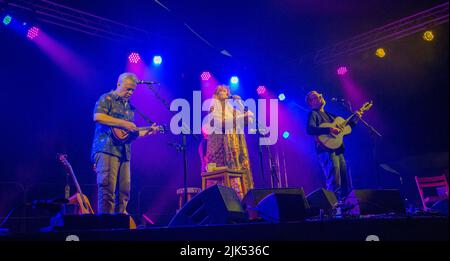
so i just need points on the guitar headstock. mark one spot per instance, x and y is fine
(366, 106)
(63, 159)
(161, 128)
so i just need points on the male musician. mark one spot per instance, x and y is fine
(111, 158)
(333, 162)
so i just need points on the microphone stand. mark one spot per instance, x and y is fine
(374, 135)
(273, 169)
(179, 147)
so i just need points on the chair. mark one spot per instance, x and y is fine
(225, 177)
(439, 183)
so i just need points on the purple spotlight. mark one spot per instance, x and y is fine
(342, 70)
(261, 89)
(33, 32)
(205, 76)
(134, 57)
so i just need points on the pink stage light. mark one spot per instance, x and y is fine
(33, 32)
(205, 76)
(261, 89)
(134, 57)
(342, 70)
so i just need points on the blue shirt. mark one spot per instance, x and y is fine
(115, 106)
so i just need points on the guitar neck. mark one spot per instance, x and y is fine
(75, 181)
(144, 128)
(349, 118)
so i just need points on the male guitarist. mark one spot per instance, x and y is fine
(333, 162)
(110, 157)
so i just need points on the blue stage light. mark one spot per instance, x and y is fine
(7, 19)
(157, 60)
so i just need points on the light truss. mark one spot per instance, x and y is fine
(70, 18)
(387, 33)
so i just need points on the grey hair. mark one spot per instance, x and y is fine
(307, 97)
(127, 75)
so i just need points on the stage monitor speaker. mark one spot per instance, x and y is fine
(373, 201)
(321, 199)
(215, 205)
(280, 207)
(254, 196)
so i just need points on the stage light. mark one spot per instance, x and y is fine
(380, 52)
(205, 76)
(428, 36)
(157, 60)
(134, 57)
(281, 97)
(234, 83)
(261, 89)
(342, 70)
(234, 80)
(286, 134)
(33, 32)
(7, 20)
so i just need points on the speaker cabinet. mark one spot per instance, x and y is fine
(321, 199)
(254, 196)
(277, 205)
(372, 201)
(215, 205)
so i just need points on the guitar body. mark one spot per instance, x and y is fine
(124, 136)
(82, 202)
(332, 141)
(132, 223)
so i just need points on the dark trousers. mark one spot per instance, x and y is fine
(334, 167)
(109, 169)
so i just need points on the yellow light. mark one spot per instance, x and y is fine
(380, 52)
(428, 36)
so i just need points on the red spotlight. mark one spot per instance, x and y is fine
(342, 70)
(205, 76)
(33, 32)
(134, 57)
(261, 89)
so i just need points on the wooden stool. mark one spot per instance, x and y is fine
(225, 177)
(191, 192)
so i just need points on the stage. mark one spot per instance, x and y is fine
(275, 122)
(355, 229)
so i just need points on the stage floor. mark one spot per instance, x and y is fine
(356, 229)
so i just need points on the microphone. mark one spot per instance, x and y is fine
(337, 100)
(146, 82)
(239, 101)
(232, 97)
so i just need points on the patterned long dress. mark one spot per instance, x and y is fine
(230, 150)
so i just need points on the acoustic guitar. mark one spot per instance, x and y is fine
(334, 141)
(79, 199)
